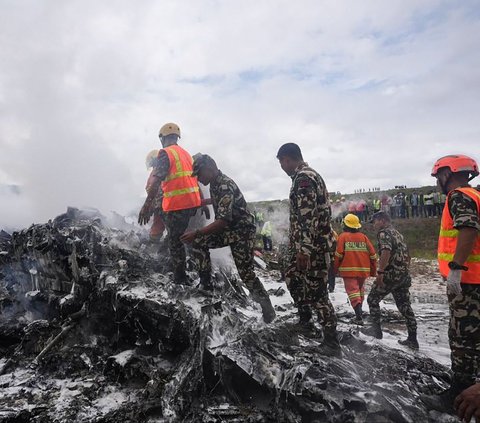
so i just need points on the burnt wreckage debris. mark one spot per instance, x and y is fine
(93, 330)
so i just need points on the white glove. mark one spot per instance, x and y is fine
(453, 282)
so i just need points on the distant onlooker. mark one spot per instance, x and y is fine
(429, 207)
(361, 208)
(421, 206)
(437, 208)
(414, 201)
(266, 233)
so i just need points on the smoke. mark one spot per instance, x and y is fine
(278, 216)
(15, 210)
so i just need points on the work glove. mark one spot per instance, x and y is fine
(206, 212)
(454, 286)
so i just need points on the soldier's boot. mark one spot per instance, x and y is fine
(443, 402)
(305, 317)
(411, 341)
(180, 277)
(330, 345)
(358, 314)
(262, 298)
(374, 330)
(205, 282)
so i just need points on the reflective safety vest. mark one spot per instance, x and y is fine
(180, 188)
(267, 229)
(447, 243)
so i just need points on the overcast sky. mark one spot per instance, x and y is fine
(372, 91)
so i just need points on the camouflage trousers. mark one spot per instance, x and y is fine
(241, 244)
(399, 288)
(283, 259)
(309, 290)
(176, 223)
(464, 334)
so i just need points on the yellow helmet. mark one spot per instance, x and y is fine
(150, 158)
(168, 129)
(352, 221)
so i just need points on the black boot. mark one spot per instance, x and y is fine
(262, 298)
(443, 402)
(305, 317)
(374, 330)
(205, 282)
(180, 277)
(358, 315)
(330, 345)
(411, 341)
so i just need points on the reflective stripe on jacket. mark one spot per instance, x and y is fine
(355, 255)
(447, 243)
(180, 188)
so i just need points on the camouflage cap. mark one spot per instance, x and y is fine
(201, 160)
(380, 215)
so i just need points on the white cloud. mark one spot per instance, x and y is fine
(372, 91)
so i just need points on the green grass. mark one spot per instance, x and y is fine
(420, 234)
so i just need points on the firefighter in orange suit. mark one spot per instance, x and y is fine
(459, 262)
(181, 195)
(355, 261)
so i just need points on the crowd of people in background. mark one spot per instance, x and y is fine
(399, 206)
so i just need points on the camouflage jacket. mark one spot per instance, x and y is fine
(463, 210)
(390, 239)
(229, 204)
(310, 213)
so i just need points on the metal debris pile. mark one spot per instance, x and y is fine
(93, 330)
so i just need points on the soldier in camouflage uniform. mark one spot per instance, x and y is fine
(392, 277)
(234, 226)
(310, 244)
(459, 261)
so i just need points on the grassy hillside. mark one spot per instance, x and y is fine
(421, 234)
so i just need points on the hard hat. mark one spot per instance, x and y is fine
(337, 201)
(168, 129)
(343, 198)
(352, 221)
(457, 163)
(150, 158)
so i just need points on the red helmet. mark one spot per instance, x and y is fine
(456, 163)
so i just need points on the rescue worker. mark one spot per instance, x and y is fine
(392, 277)
(377, 204)
(310, 246)
(266, 234)
(181, 195)
(158, 227)
(459, 262)
(234, 226)
(355, 260)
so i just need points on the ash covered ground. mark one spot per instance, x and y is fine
(93, 330)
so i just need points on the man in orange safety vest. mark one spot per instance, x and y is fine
(181, 195)
(459, 262)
